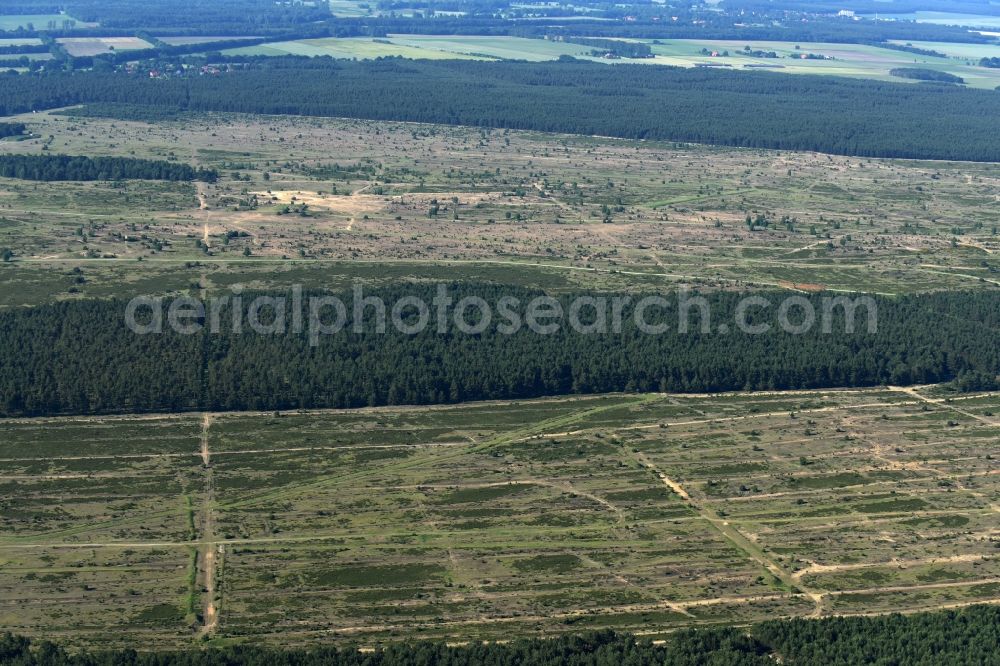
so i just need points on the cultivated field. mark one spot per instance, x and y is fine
(351, 47)
(852, 60)
(947, 18)
(91, 46)
(185, 41)
(344, 8)
(20, 41)
(963, 52)
(643, 513)
(304, 197)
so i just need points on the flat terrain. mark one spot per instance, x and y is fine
(352, 47)
(91, 46)
(20, 41)
(851, 60)
(643, 513)
(947, 18)
(184, 41)
(39, 21)
(309, 203)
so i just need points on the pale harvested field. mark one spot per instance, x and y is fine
(91, 46)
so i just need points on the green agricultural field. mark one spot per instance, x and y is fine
(351, 47)
(185, 40)
(348, 8)
(852, 60)
(507, 48)
(643, 513)
(91, 46)
(20, 41)
(421, 47)
(964, 52)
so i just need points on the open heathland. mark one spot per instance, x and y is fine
(302, 201)
(645, 513)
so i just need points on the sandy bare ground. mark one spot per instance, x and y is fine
(209, 549)
(902, 564)
(738, 539)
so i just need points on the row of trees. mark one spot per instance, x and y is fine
(615, 47)
(724, 25)
(24, 48)
(910, 48)
(949, 638)
(69, 167)
(923, 74)
(80, 357)
(752, 109)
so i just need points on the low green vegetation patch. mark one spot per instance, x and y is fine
(375, 575)
(902, 504)
(469, 495)
(555, 564)
(160, 614)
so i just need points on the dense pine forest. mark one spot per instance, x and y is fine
(759, 110)
(80, 357)
(69, 167)
(949, 638)
(613, 46)
(12, 129)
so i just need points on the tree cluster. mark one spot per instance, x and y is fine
(921, 74)
(71, 167)
(615, 47)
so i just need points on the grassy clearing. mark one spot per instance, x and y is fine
(38, 21)
(347, 8)
(508, 48)
(350, 47)
(185, 41)
(20, 41)
(851, 60)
